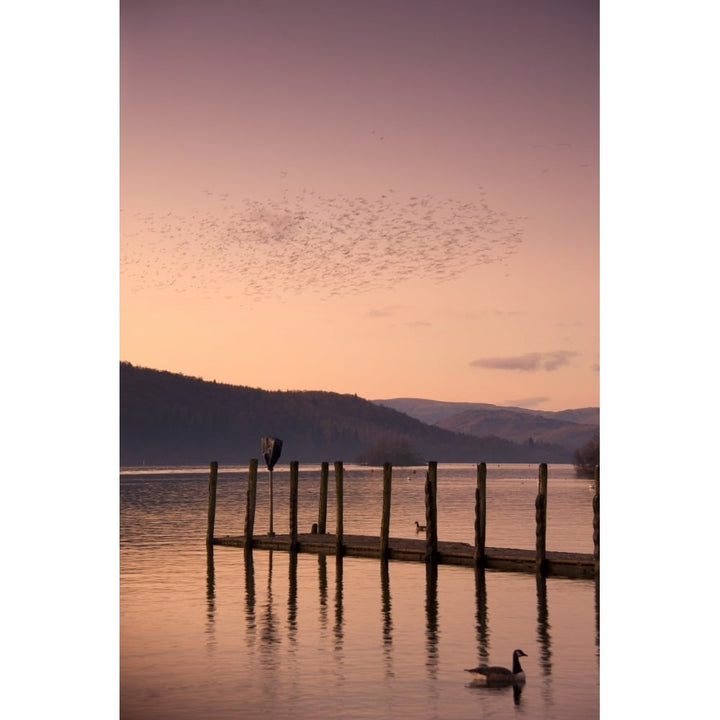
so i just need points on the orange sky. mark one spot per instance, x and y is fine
(365, 199)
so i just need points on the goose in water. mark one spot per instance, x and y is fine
(494, 676)
(419, 527)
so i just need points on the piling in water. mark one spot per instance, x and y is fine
(212, 495)
(385, 521)
(339, 544)
(431, 538)
(293, 522)
(480, 515)
(250, 503)
(596, 522)
(322, 506)
(541, 519)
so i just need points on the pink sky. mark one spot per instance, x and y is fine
(387, 199)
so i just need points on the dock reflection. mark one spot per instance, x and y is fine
(250, 597)
(338, 627)
(268, 628)
(210, 597)
(481, 617)
(323, 589)
(597, 612)
(387, 624)
(543, 635)
(431, 612)
(269, 635)
(543, 625)
(292, 597)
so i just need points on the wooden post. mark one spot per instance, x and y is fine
(596, 522)
(385, 523)
(271, 531)
(339, 548)
(294, 472)
(541, 519)
(250, 503)
(480, 515)
(322, 509)
(431, 539)
(212, 495)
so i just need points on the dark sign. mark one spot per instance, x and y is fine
(271, 449)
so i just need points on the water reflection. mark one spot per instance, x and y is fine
(292, 597)
(431, 612)
(597, 612)
(250, 595)
(210, 595)
(323, 588)
(481, 617)
(269, 629)
(338, 628)
(543, 625)
(387, 626)
(543, 635)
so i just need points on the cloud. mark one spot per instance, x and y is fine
(530, 362)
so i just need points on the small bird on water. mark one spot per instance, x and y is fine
(419, 527)
(495, 676)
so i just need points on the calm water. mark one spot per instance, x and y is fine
(277, 636)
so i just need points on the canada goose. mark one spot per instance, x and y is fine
(419, 527)
(494, 676)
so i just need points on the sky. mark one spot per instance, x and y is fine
(383, 199)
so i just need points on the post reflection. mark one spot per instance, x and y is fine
(269, 628)
(338, 628)
(431, 612)
(323, 589)
(292, 597)
(543, 635)
(543, 625)
(481, 617)
(387, 626)
(210, 595)
(597, 612)
(250, 594)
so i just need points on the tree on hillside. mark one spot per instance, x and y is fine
(587, 458)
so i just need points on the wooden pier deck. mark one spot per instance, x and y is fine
(561, 564)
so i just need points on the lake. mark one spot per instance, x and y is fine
(274, 635)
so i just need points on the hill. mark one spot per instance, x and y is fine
(170, 418)
(570, 429)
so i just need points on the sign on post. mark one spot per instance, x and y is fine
(271, 448)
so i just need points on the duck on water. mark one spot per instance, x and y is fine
(496, 676)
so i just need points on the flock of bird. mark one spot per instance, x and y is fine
(310, 243)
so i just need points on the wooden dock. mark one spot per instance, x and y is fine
(561, 564)
(428, 549)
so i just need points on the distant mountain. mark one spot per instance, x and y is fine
(170, 418)
(569, 428)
